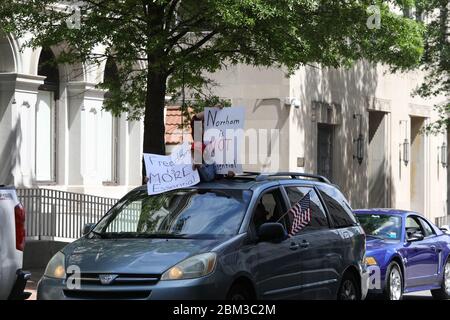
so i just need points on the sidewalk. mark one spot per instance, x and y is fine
(32, 283)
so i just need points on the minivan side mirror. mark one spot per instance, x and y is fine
(88, 228)
(415, 236)
(272, 232)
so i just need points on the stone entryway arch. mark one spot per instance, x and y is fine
(9, 54)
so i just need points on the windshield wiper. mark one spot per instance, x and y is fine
(374, 236)
(162, 235)
(99, 234)
(133, 235)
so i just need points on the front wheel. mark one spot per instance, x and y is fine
(394, 284)
(350, 288)
(238, 292)
(443, 292)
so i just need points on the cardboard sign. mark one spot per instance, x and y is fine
(224, 129)
(172, 172)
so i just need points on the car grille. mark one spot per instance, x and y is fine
(121, 280)
(124, 286)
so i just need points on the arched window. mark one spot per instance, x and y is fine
(48, 95)
(47, 67)
(111, 75)
(109, 135)
(7, 62)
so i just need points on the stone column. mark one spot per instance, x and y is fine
(83, 98)
(18, 96)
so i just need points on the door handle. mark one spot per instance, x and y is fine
(435, 249)
(294, 246)
(304, 244)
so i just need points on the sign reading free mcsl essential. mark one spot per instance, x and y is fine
(224, 129)
(223, 134)
(172, 172)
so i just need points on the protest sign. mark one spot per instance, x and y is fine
(224, 129)
(167, 173)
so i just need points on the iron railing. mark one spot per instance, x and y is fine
(442, 221)
(60, 215)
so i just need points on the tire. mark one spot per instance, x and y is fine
(239, 292)
(394, 282)
(444, 292)
(350, 288)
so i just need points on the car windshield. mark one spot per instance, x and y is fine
(382, 226)
(190, 213)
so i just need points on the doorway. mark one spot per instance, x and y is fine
(325, 134)
(417, 181)
(378, 171)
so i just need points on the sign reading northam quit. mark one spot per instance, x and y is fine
(167, 173)
(224, 129)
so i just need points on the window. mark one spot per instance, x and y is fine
(386, 226)
(269, 208)
(340, 213)
(318, 217)
(428, 230)
(202, 213)
(108, 129)
(325, 150)
(45, 124)
(413, 225)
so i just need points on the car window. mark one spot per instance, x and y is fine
(428, 230)
(340, 214)
(318, 217)
(269, 208)
(413, 225)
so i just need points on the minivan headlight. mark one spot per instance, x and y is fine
(56, 267)
(193, 267)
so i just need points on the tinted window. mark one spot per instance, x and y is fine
(340, 213)
(318, 217)
(178, 213)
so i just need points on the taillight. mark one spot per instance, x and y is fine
(19, 213)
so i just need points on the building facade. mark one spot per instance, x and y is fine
(360, 127)
(54, 132)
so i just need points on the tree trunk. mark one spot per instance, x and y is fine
(154, 122)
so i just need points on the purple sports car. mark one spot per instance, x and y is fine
(406, 253)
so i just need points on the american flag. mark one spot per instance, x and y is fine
(302, 215)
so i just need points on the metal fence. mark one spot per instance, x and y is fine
(442, 221)
(60, 215)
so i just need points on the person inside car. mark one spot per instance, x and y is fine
(260, 216)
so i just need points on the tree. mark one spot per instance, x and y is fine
(177, 41)
(436, 59)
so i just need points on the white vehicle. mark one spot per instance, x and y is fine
(12, 243)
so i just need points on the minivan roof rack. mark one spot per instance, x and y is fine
(294, 175)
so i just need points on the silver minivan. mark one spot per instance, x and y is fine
(226, 239)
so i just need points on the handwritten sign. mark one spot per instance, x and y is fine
(224, 129)
(172, 172)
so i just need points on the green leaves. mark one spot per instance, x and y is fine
(436, 58)
(181, 39)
